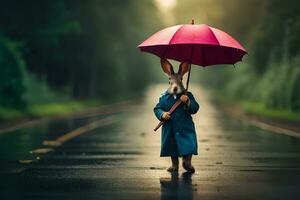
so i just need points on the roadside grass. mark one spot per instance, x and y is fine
(44, 101)
(52, 109)
(10, 113)
(257, 108)
(47, 109)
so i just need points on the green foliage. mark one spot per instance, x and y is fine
(73, 49)
(295, 90)
(12, 87)
(270, 74)
(277, 35)
(112, 65)
(276, 57)
(241, 82)
(39, 92)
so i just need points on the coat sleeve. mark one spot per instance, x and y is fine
(159, 109)
(193, 106)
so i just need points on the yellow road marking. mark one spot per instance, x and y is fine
(25, 161)
(79, 131)
(274, 129)
(262, 125)
(111, 109)
(41, 150)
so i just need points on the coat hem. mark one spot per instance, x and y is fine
(177, 155)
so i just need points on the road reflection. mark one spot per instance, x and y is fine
(177, 187)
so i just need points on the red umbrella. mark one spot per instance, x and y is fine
(198, 44)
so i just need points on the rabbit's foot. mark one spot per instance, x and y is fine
(188, 167)
(173, 169)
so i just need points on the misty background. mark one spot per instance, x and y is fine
(57, 55)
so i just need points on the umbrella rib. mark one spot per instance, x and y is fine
(175, 34)
(202, 56)
(219, 42)
(164, 55)
(214, 36)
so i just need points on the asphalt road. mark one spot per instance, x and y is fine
(115, 155)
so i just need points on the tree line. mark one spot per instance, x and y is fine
(269, 29)
(84, 49)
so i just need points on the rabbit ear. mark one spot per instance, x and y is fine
(166, 66)
(183, 68)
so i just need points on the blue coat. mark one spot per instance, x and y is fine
(178, 136)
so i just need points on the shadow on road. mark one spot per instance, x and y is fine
(177, 187)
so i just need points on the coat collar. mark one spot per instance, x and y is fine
(173, 96)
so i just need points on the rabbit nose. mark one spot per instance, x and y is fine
(175, 89)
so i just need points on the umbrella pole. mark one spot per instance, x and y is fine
(188, 78)
(190, 69)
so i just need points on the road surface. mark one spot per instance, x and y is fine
(115, 155)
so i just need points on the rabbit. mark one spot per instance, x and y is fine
(178, 137)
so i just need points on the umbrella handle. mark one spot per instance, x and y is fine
(175, 105)
(159, 125)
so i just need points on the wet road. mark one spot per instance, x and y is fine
(116, 156)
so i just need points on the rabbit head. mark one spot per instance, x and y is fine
(175, 79)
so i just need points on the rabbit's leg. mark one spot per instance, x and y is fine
(175, 164)
(187, 163)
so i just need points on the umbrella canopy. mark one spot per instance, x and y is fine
(199, 44)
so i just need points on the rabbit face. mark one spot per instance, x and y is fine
(175, 82)
(175, 79)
